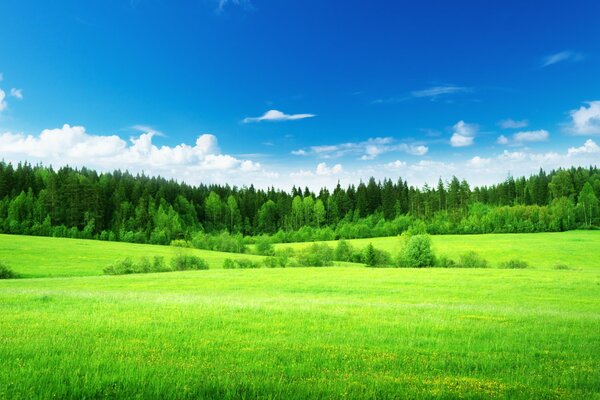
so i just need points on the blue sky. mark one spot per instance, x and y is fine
(301, 92)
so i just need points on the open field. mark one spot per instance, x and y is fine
(576, 249)
(334, 332)
(303, 332)
(33, 256)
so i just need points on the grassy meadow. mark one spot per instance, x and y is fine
(575, 249)
(32, 256)
(295, 333)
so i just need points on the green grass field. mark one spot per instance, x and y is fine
(576, 249)
(33, 256)
(295, 333)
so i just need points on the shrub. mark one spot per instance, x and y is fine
(264, 247)
(315, 255)
(417, 253)
(561, 266)
(180, 243)
(472, 260)
(184, 262)
(6, 272)
(240, 263)
(514, 264)
(121, 267)
(445, 262)
(343, 251)
(373, 257)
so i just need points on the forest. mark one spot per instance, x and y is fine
(119, 206)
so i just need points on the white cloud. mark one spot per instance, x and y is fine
(365, 150)
(275, 115)
(512, 124)
(589, 147)
(3, 104)
(502, 139)
(324, 170)
(463, 135)
(560, 57)
(478, 162)
(531, 136)
(72, 145)
(586, 120)
(437, 91)
(394, 165)
(17, 93)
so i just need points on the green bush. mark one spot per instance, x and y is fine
(417, 252)
(142, 266)
(343, 251)
(184, 262)
(514, 264)
(240, 263)
(445, 262)
(472, 259)
(373, 257)
(6, 272)
(561, 266)
(180, 243)
(315, 255)
(263, 246)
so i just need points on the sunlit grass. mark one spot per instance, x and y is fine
(303, 333)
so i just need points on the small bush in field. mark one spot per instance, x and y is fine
(445, 262)
(228, 264)
(315, 255)
(417, 252)
(180, 243)
(373, 257)
(184, 262)
(472, 260)
(6, 272)
(561, 266)
(263, 246)
(121, 267)
(514, 264)
(142, 266)
(240, 263)
(343, 251)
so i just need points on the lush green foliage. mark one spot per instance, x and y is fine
(303, 333)
(6, 272)
(514, 264)
(241, 263)
(417, 252)
(142, 266)
(315, 255)
(185, 262)
(472, 259)
(118, 206)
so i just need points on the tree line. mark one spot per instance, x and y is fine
(69, 202)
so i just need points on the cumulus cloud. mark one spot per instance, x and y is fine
(72, 145)
(589, 147)
(3, 104)
(365, 150)
(513, 124)
(531, 136)
(275, 115)
(502, 140)
(395, 165)
(323, 169)
(562, 56)
(478, 162)
(17, 93)
(586, 119)
(463, 135)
